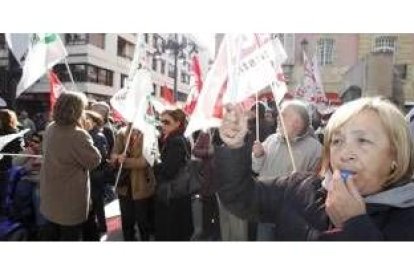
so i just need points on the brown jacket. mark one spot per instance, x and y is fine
(68, 154)
(142, 177)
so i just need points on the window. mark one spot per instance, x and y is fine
(97, 40)
(92, 73)
(123, 80)
(109, 78)
(76, 39)
(125, 48)
(100, 75)
(78, 72)
(181, 97)
(325, 51)
(84, 73)
(155, 41)
(162, 66)
(384, 44)
(2, 41)
(401, 71)
(185, 78)
(171, 70)
(146, 38)
(154, 64)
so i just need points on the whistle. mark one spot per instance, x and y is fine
(345, 174)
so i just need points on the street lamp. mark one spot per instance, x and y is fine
(175, 45)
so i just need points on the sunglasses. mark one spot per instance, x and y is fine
(166, 122)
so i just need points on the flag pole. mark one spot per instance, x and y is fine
(20, 155)
(257, 117)
(70, 75)
(125, 149)
(132, 71)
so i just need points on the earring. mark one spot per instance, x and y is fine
(393, 166)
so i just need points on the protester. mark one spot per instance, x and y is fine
(26, 122)
(136, 186)
(102, 108)
(96, 225)
(173, 219)
(109, 131)
(8, 125)
(271, 158)
(367, 137)
(26, 195)
(69, 154)
(204, 150)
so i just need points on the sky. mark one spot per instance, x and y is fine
(207, 40)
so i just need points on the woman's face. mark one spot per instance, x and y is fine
(89, 124)
(168, 124)
(363, 147)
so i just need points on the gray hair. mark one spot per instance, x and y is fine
(302, 109)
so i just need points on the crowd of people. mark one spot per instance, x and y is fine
(283, 180)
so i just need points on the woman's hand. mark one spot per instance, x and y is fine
(343, 201)
(234, 126)
(121, 158)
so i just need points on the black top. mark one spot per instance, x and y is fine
(295, 203)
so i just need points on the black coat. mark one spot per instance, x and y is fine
(296, 204)
(173, 221)
(173, 156)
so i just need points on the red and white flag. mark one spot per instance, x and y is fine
(311, 89)
(245, 64)
(196, 84)
(56, 88)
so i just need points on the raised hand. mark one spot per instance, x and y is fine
(234, 126)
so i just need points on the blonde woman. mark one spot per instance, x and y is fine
(363, 192)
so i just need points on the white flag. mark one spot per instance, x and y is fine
(255, 66)
(45, 50)
(19, 45)
(5, 139)
(245, 64)
(133, 106)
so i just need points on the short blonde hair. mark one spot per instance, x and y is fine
(395, 127)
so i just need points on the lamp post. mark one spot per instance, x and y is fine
(177, 47)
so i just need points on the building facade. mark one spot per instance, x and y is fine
(100, 63)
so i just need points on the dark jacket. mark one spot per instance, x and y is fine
(296, 202)
(173, 221)
(109, 133)
(101, 143)
(204, 150)
(173, 156)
